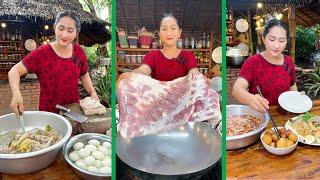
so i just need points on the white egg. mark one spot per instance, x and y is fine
(94, 142)
(74, 156)
(91, 148)
(104, 150)
(98, 164)
(105, 169)
(89, 160)
(84, 152)
(78, 146)
(81, 164)
(98, 155)
(106, 162)
(93, 169)
(107, 145)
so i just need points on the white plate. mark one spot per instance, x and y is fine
(217, 55)
(295, 102)
(30, 44)
(242, 25)
(300, 138)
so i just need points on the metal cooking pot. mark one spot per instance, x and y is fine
(236, 61)
(186, 149)
(243, 140)
(33, 161)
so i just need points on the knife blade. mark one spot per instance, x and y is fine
(67, 112)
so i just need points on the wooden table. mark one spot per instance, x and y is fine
(255, 162)
(58, 170)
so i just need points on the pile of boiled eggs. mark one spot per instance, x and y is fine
(94, 156)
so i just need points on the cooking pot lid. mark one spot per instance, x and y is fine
(186, 149)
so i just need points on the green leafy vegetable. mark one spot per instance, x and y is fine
(307, 116)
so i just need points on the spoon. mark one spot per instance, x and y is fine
(21, 122)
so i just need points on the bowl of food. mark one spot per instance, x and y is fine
(244, 126)
(35, 149)
(287, 142)
(89, 155)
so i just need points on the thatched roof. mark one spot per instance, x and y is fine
(93, 29)
(307, 11)
(196, 16)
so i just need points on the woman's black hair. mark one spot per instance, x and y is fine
(68, 13)
(171, 16)
(272, 23)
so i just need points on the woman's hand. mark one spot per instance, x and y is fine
(258, 103)
(17, 103)
(95, 96)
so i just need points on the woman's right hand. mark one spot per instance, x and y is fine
(259, 103)
(17, 103)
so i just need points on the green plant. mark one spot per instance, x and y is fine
(305, 43)
(103, 87)
(311, 82)
(92, 56)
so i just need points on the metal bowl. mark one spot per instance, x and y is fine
(243, 140)
(33, 161)
(84, 138)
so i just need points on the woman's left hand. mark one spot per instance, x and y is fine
(95, 96)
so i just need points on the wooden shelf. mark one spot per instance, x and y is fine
(128, 64)
(203, 64)
(147, 50)
(19, 41)
(10, 60)
(14, 52)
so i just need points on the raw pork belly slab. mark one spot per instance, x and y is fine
(148, 106)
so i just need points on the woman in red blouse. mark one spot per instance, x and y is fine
(58, 65)
(169, 62)
(271, 70)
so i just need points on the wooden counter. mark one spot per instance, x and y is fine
(255, 162)
(58, 170)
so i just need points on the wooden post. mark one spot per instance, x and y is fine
(292, 32)
(250, 33)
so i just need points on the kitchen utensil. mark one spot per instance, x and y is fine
(21, 122)
(188, 148)
(67, 112)
(273, 123)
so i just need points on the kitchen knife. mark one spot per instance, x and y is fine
(67, 112)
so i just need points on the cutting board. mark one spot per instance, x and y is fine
(95, 123)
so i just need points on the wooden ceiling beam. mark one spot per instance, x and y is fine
(154, 15)
(139, 16)
(123, 15)
(195, 16)
(183, 11)
(302, 20)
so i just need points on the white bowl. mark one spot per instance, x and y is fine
(279, 151)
